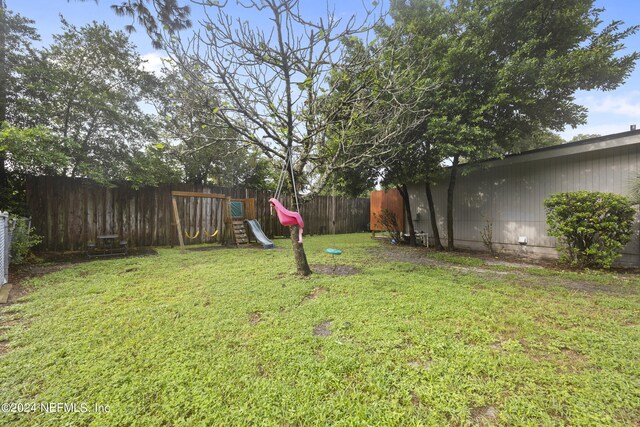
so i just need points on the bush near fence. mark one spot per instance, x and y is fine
(69, 212)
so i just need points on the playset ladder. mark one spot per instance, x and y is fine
(240, 233)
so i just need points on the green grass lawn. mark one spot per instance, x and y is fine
(227, 337)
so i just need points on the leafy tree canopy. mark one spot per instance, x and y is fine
(583, 136)
(206, 149)
(32, 150)
(537, 139)
(510, 69)
(155, 16)
(88, 91)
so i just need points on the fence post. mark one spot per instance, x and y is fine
(5, 246)
(228, 223)
(333, 210)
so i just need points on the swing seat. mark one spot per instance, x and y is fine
(287, 217)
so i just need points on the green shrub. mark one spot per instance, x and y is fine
(23, 238)
(590, 226)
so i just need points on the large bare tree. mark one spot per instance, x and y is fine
(279, 83)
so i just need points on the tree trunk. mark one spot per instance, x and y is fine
(433, 218)
(4, 179)
(407, 208)
(302, 266)
(4, 71)
(452, 183)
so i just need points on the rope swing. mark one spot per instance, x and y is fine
(287, 164)
(195, 236)
(210, 235)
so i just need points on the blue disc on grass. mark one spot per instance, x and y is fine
(333, 251)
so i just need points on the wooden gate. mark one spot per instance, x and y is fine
(385, 199)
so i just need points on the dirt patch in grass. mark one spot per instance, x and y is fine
(419, 364)
(255, 317)
(258, 247)
(335, 270)
(262, 372)
(21, 273)
(322, 330)
(484, 416)
(315, 293)
(418, 256)
(209, 248)
(18, 275)
(403, 254)
(215, 247)
(527, 279)
(415, 399)
(81, 256)
(575, 285)
(595, 287)
(573, 356)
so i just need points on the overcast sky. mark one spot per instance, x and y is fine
(609, 112)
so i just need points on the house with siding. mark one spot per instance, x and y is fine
(509, 193)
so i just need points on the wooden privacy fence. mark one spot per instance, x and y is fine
(69, 212)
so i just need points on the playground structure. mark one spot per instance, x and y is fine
(217, 218)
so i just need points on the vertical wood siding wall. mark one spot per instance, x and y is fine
(511, 198)
(70, 212)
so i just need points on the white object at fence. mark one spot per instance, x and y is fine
(5, 246)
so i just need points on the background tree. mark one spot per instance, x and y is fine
(152, 166)
(16, 50)
(389, 115)
(509, 69)
(206, 148)
(537, 139)
(89, 95)
(25, 151)
(31, 151)
(155, 16)
(583, 136)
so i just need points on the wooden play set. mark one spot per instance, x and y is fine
(234, 213)
(239, 215)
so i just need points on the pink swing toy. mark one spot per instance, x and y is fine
(287, 217)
